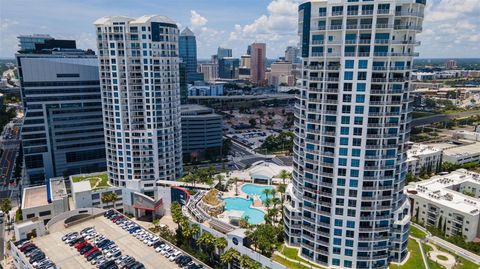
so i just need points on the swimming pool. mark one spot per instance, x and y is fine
(253, 189)
(255, 216)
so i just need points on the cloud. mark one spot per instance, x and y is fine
(196, 20)
(451, 29)
(278, 28)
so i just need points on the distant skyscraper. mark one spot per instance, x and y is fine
(223, 52)
(228, 68)
(249, 50)
(62, 132)
(346, 207)
(209, 71)
(188, 53)
(141, 109)
(257, 65)
(292, 54)
(451, 64)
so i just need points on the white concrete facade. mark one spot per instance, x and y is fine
(449, 202)
(140, 84)
(346, 207)
(421, 157)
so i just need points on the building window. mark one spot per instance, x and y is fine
(44, 213)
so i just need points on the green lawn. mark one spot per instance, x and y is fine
(415, 260)
(465, 264)
(103, 183)
(415, 232)
(289, 264)
(292, 254)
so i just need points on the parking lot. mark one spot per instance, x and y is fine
(67, 257)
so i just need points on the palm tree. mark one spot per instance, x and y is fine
(220, 243)
(267, 193)
(284, 174)
(245, 261)
(282, 189)
(228, 256)
(235, 180)
(220, 178)
(195, 229)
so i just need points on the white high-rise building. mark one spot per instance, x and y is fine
(346, 207)
(139, 77)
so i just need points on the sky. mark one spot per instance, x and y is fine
(451, 27)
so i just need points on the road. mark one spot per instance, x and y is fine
(442, 117)
(2, 239)
(10, 143)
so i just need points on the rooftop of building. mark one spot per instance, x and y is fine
(194, 110)
(466, 149)
(422, 149)
(35, 36)
(140, 20)
(187, 32)
(35, 197)
(439, 189)
(93, 181)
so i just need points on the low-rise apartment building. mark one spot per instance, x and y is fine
(421, 157)
(449, 202)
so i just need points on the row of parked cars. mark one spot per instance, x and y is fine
(171, 253)
(99, 250)
(36, 257)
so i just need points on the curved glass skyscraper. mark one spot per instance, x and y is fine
(346, 207)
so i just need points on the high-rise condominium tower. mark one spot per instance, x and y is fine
(257, 63)
(139, 77)
(346, 207)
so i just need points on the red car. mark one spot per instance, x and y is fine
(117, 219)
(90, 252)
(22, 249)
(80, 245)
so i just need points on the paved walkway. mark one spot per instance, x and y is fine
(434, 256)
(295, 261)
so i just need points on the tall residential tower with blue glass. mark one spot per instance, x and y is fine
(345, 207)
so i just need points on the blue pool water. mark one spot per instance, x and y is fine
(255, 216)
(252, 189)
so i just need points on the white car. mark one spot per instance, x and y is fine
(153, 241)
(98, 260)
(110, 254)
(160, 248)
(165, 250)
(170, 252)
(174, 255)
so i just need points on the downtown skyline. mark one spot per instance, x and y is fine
(270, 21)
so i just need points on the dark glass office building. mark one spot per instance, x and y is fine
(62, 132)
(188, 53)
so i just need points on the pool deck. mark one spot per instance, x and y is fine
(257, 204)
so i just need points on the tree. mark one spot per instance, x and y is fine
(235, 181)
(252, 122)
(410, 177)
(264, 238)
(221, 243)
(284, 174)
(109, 197)
(228, 256)
(6, 205)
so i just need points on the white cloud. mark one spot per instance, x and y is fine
(278, 28)
(196, 20)
(451, 29)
